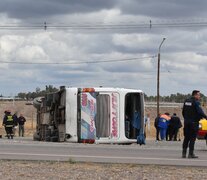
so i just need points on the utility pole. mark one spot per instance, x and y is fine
(158, 78)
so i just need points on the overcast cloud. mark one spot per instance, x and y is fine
(183, 54)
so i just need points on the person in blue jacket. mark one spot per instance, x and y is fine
(163, 125)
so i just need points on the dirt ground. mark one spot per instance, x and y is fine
(24, 170)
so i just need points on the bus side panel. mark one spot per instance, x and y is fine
(71, 114)
(115, 116)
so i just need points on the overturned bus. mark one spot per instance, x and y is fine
(90, 115)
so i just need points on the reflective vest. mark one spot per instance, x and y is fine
(9, 121)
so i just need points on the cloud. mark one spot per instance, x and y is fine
(164, 8)
(183, 54)
(28, 9)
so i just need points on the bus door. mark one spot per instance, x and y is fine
(134, 114)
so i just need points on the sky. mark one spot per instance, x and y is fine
(109, 43)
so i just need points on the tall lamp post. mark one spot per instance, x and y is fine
(158, 78)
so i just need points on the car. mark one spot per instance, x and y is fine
(202, 132)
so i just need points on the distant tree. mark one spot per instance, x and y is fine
(50, 88)
(37, 93)
(28, 96)
(38, 90)
(178, 98)
(22, 95)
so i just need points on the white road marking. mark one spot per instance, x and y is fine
(103, 157)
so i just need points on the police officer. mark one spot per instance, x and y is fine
(192, 113)
(8, 123)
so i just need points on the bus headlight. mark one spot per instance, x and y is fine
(200, 126)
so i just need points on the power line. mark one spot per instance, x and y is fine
(94, 26)
(79, 62)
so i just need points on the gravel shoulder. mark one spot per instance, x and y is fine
(25, 170)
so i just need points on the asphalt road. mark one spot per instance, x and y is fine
(158, 153)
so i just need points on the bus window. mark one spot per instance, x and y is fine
(103, 116)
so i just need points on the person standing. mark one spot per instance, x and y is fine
(157, 128)
(146, 124)
(5, 114)
(192, 113)
(174, 126)
(163, 125)
(8, 123)
(15, 118)
(168, 129)
(21, 122)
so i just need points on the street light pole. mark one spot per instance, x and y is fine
(158, 78)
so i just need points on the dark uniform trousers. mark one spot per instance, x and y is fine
(190, 133)
(9, 131)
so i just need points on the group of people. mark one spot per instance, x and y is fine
(10, 122)
(167, 127)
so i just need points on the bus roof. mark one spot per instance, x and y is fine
(107, 89)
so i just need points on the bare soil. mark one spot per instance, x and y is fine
(24, 170)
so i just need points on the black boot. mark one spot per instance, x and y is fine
(184, 153)
(192, 155)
